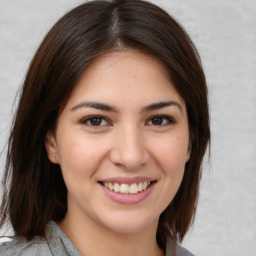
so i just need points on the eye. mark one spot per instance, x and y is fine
(160, 120)
(95, 121)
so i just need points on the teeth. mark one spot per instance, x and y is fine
(140, 187)
(124, 189)
(116, 187)
(144, 185)
(133, 189)
(110, 186)
(127, 189)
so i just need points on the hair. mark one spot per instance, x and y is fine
(34, 189)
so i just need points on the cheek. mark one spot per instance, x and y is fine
(171, 156)
(81, 156)
(78, 164)
(172, 152)
(78, 157)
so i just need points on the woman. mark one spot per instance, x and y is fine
(106, 147)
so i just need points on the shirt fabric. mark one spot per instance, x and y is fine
(56, 243)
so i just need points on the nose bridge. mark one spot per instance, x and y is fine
(129, 148)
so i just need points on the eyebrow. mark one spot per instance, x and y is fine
(96, 105)
(159, 105)
(109, 108)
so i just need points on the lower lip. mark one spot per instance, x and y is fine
(128, 198)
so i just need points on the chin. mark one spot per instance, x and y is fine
(131, 224)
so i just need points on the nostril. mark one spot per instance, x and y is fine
(129, 160)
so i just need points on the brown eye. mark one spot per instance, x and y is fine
(160, 120)
(95, 121)
(157, 120)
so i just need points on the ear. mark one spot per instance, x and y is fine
(51, 147)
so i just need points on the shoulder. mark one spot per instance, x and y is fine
(173, 249)
(17, 247)
(183, 252)
(55, 243)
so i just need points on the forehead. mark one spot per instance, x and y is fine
(129, 56)
(127, 75)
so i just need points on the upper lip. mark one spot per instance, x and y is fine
(127, 180)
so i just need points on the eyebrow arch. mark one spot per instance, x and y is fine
(96, 105)
(109, 108)
(159, 105)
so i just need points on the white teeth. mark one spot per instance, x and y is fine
(116, 187)
(124, 189)
(134, 188)
(127, 189)
(110, 186)
(140, 187)
(144, 185)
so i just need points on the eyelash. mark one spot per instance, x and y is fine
(168, 120)
(87, 120)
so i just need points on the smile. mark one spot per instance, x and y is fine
(127, 190)
(123, 188)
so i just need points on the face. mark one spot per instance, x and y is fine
(122, 141)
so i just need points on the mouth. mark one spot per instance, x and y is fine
(127, 186)
(124, 188)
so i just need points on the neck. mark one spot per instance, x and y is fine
(90, 238)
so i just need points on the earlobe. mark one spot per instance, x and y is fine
(51, 148)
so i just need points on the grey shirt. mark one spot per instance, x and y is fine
(56, 243)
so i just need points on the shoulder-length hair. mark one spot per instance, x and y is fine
(34, 190)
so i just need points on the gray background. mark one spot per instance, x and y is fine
(224, 32)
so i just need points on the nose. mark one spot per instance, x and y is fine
(129, 149)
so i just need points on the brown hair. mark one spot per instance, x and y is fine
(34, 190)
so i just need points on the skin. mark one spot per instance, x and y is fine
(126, 142)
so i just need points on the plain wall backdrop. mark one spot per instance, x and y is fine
(224, 32)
